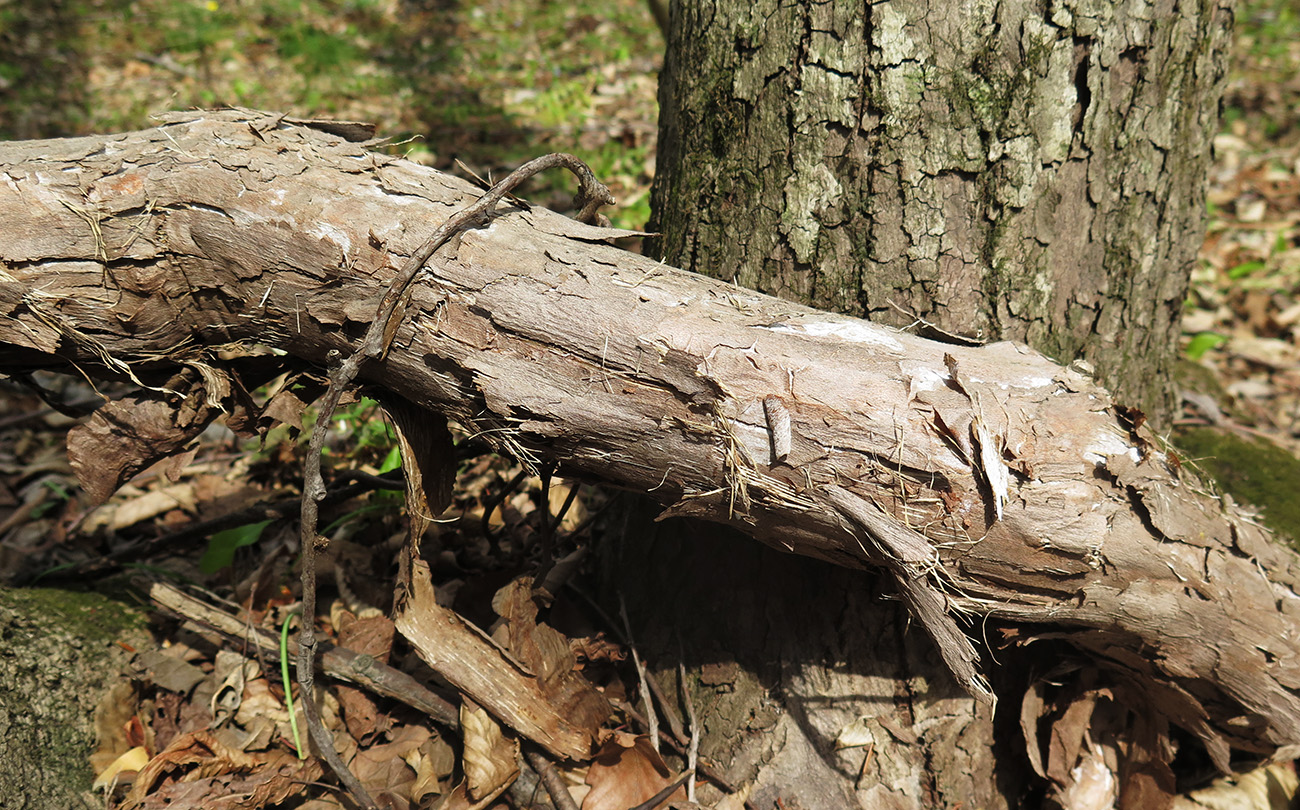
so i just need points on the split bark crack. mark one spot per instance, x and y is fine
(592, 194)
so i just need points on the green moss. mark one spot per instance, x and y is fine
(1252, 470)
(62, 649)
(91, 616)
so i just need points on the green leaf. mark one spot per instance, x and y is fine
(392, 461)
(1245, 269)
(223, 545)
(1202, 343)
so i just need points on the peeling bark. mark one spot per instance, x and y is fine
(1004, 485)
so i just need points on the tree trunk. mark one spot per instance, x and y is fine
(988, 482)
(998, 170)
(1006, 171)
(62, 653)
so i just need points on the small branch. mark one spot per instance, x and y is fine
(343, 372)
(337, 662)
(662, 796)
(652, 718)
(555, 787)
(693, 757)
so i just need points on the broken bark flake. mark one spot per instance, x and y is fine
(561, 715)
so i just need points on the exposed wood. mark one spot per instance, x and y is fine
(1013, 486)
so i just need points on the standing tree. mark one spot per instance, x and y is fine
(989, 171)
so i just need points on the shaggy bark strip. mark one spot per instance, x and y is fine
(1017, 489)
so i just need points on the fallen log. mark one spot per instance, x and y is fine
(990, 481)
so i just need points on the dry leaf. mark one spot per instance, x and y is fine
(433, 762)
(197, 770)
(114, 713)
(491, 760)
(132, 760)
(1273, 787)
(123, 437)
(626, 772)
(563, 721)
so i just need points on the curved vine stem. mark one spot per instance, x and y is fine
(343, 371)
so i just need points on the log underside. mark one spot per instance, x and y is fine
(988, 480)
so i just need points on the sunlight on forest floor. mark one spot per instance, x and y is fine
(493, 84)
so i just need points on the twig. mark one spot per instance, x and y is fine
(344, 370)
(693, 757)
(555, 787)
(652, 717)
(365, 671)
(657, 799)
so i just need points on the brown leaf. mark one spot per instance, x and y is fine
(360, 714)
(434, 762)
(123, 437)
(1031, 711)
(113, 721)
(626, 772)
(372, 635)
(1147, 780)
(562, 720)
(541, 648)
(383, 769)
(597, 649)
(1067, 738)
(491, 759)
(197, 770)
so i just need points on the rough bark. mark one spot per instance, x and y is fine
(1011, 170)
(1009, 484)
(60, 653)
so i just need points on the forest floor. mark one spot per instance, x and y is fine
(489, 85)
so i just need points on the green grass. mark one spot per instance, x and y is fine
(1262, 102)
(492, 83)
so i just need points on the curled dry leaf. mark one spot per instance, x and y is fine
(491, 760)
(198, 770)
(123, 437)
(383, 769)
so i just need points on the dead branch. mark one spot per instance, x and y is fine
(990, 481)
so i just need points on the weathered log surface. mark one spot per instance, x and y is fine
(1008, 484)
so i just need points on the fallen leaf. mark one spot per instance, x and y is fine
(198, 770)
(563, 720)
(1272, 787)
(490, 759)
(132, 760)
(123, 437)
(626, 772)
(114, 713)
